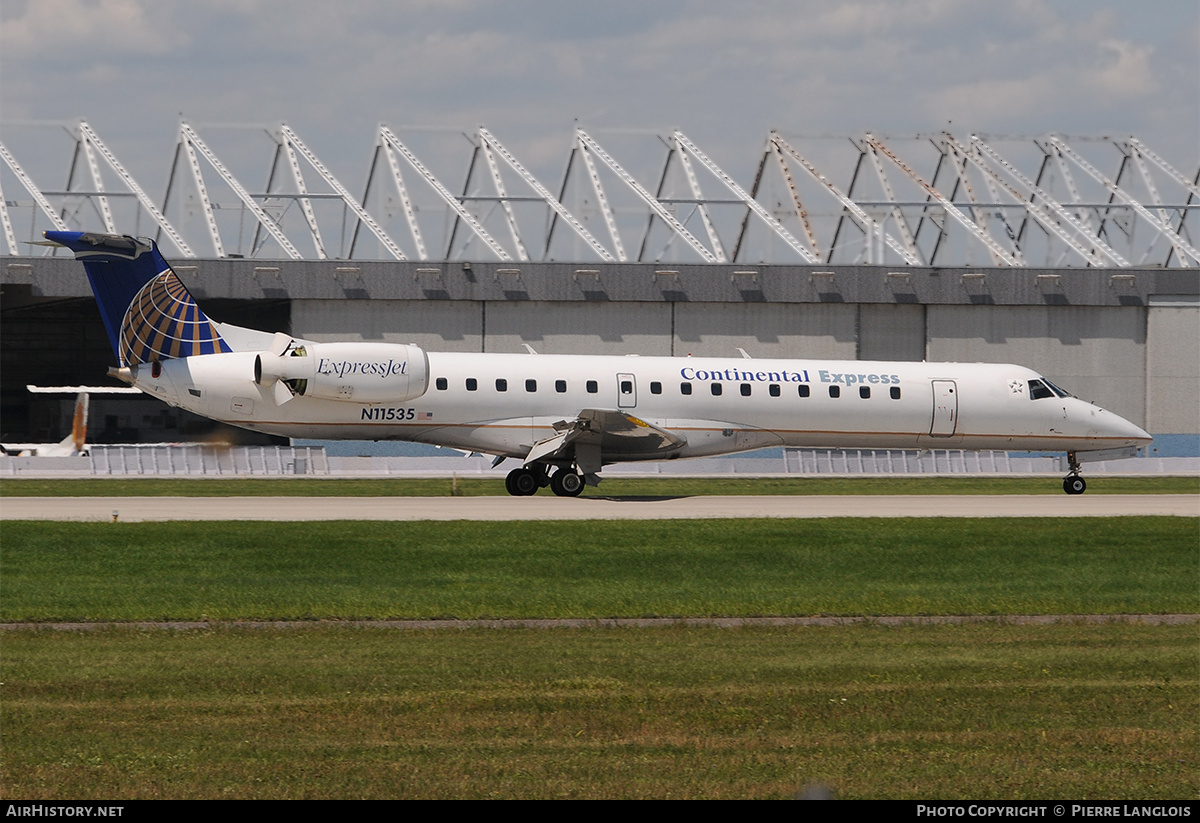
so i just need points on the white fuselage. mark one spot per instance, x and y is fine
(504, 404)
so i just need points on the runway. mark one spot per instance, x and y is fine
(545, 507)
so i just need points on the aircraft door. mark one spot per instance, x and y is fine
(945, 408)
(626, 391)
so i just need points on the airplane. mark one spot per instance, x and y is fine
(75, 443)
(565, 417)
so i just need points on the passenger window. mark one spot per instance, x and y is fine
(592, 387)
(560, 386)
(716, 389)
(442, 384)
(864, 392)
(745, 390)
(895, 392)
(774, 389)
(626, 387)
(530, 385)
(655, 387)
(803, 390)
(472, 384)
(835, 391)
(501, 384)
(685, 388)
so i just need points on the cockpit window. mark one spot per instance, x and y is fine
(1056, 389)
(1038, 390)
(1041, 387)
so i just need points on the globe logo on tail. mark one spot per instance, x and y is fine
(163, 322)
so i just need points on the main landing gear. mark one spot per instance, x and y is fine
(522, 482)
(525, 481)
(1073, 483)
(566, 483)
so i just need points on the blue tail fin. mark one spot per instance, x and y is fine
(147, 311)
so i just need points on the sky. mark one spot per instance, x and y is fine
(723, 72)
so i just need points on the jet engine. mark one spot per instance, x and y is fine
(356, 372)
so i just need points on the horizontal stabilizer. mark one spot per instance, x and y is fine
(282, 393)
(280, 344)
(82, 390)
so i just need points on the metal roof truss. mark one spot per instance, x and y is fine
(1061, 210)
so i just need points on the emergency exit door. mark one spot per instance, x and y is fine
(945, 408)
(626, 391)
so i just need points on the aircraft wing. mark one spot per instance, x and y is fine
(597, 436)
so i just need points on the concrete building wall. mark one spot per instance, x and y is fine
(765, 329)
(562, 327)
(554, 327)
(1095, 352)
(1128, 340)
(893, 331)
(1173, 367)
(446, 325)
(1142, 364)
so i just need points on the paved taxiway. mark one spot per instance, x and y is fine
(545, 507)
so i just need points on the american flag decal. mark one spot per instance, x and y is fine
(425, 416)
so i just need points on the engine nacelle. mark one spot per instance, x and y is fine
(358, 372)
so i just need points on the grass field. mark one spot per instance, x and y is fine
(614, 487)
(978, 711)
(464, 569)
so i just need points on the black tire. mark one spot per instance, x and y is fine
(566, 483)
(1074, 485)
(521, 483)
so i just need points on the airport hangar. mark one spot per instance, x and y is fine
(1131, 344)
(1126, 337)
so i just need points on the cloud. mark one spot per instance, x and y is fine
(1116, 77)
(1130, 74)
(75, 30)
(724, 72)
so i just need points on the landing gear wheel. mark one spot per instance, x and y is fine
(521, 483)
(1073, 483)
(566, 483)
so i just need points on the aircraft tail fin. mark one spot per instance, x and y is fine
(148, 313)
(77, 439)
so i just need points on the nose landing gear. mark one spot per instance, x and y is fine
(1073, 483)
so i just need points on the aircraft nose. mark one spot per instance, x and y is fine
(1113, 427)
(1143, 437)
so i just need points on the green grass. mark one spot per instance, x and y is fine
(617, 487)
(986, 712)
(232, 570)
(980, 711)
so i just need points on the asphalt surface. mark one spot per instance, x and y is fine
(546, 507)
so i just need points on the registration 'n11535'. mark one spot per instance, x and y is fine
(382, 413)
